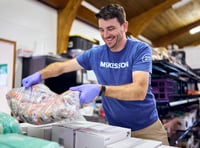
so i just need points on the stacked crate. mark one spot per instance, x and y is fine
(164, 89)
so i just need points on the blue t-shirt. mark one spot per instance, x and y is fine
(115, 68)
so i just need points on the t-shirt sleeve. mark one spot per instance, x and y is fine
(84, 60)
(143, 58)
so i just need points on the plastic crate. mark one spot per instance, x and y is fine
(164, 88)
(79, 42)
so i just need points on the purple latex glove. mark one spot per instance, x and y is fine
(32, 79)
(88, 92)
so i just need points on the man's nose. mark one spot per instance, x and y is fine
(105, 34)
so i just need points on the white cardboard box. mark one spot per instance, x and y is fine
(100, 136)
(135, 143)
(64, 136)
(82, 134)
(39, 131)
(166, 146)
(184, 122)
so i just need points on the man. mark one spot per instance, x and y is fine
(123, 68)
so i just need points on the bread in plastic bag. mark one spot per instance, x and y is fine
(39, 105)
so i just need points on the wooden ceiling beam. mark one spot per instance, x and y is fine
(195, 43)
(88, 16)
(169, 38)
(68, 10)
(66, 17)
(140, 22)
(57, 4)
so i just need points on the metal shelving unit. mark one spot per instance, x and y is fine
(180, 73)
(165, 69)
(174, 70)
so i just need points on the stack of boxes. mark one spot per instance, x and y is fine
(87, 134)
(79, 134)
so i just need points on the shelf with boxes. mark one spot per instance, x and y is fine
(175, 87)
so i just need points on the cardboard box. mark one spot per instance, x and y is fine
(136, 143)
(183, 122)
(166, 146)
(100, 136)
(82, 134)
(187, 119)
(38, 131)
(64, 136)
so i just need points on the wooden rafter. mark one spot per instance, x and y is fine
(88, 16)
(195, 43)
(57, 4)
(66, 17)
(137, 25)
(140, 22)
(167, 39)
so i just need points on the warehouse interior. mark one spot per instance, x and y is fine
(40, 32)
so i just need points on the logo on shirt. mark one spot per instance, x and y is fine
(146, 58)
(114, 65)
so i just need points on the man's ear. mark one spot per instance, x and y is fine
(125, 24)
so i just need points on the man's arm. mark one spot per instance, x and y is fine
(58, 68)
(134, 91)
(52, 70)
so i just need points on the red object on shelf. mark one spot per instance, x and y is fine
(102, 114)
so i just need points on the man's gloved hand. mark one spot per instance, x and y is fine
(32, 79)
(88, 92)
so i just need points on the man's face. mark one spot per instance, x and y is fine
(113, 33)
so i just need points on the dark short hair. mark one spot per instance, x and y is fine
(111, 11)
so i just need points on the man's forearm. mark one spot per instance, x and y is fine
(58, 68)
(126, 92)
(51, 70)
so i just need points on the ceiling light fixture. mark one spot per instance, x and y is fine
(195, 30)
(180, 4)
(89, 6)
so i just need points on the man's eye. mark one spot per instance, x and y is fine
(111, 28)
(101, 30)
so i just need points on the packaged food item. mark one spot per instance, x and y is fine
(39, 105)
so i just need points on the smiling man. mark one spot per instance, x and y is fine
(123, 68)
